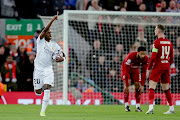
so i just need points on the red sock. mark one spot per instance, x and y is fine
(137, 96)
(151, 96)
(168, 97)
(126, 97)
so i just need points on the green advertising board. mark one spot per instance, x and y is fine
(23, 27)
(20, 32)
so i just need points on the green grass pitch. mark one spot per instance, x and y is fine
(91, 112)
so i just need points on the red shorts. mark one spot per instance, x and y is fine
(162, 75)
(133, 75)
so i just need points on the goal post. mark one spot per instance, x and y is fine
(96, 42)
(65, 64)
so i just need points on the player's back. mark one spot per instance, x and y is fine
(132, 60)
(164, 54)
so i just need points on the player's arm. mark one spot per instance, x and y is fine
(154, 54)
(43, 33)
(61, 58)
(127, 71)
(171, 55)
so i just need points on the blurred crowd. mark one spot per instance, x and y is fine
(110, 44)
(32, 8)
(125, 5)
(104, 68)
(17, 65)
(112, 41)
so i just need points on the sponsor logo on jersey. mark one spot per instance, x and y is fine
(164, 61)
(135, 66)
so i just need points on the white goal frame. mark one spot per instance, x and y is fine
(66, 28)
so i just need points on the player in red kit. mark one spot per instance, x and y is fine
(130, 71)
(160, 61)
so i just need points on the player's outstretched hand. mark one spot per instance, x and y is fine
(56, 16)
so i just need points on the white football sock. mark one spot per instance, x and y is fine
(126, 104)
(137, 105)
(46, 98)
(171, 108)
(151, 107)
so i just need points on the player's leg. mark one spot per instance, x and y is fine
(126, 94)
(165, 81)
(153, 80)
(38, 82)
(48, 83)
(46, 98)
(126, 98)
(137, 96)
(165, 88)
(38, 92)
(152, 87)
(136, 79)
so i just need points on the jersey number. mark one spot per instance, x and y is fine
(165, 52)
(36, 81)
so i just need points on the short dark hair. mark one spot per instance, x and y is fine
(38, 31)
(141, 48)
(161, 28)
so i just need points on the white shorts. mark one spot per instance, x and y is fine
(42, 77)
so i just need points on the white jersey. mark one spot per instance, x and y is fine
(43, 60)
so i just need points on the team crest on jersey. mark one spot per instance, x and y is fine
(48, 51)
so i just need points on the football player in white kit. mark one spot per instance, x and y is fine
(43, 78)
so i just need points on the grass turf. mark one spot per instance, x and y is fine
(91, 112)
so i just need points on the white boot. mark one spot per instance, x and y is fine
(151, 110)
(170, 111)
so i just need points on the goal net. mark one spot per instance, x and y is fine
(96, 43)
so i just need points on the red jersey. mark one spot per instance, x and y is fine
(131, 63)
(162, 54)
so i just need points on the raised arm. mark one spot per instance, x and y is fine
(43, 33)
